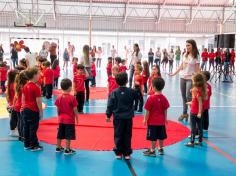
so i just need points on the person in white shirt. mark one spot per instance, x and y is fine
(43, 52)
(171, 56)
(113, 54)
(99, 57)
(189, 66)
(135, 58)
(30, 58)
(158, 57)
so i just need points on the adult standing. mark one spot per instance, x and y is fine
(53, 52)
(30, 58)
(1, 53)
(43, 52)
(150, 58)
(66, 58)
(71, 50)
(86, 61)
(158, 57)
(171, 56)
(227, 63)
(99, 57)
(14, 56)
(189, 66)
(113, 54)
(135, 58)
(177, 56)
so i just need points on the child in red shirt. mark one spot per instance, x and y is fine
(199, 94)
(32, 109)
(109, 66)
(154, 74)
(56, 73)
(156, 117)
(10, 93)
(204, 59)
(206, 103)
(232, 60)
(75, 64)
(118, 62)
(145, 75)
(123, 67)
(3, 76)
(93, 72)
(67, 116)
(79, 88)
(20, 81)
(138, 87)
(48, 79)
(112, 85)
(211, 56)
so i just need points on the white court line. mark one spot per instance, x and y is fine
(232, 97)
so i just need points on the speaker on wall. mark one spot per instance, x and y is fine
(224, 41)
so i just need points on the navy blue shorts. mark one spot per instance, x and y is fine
(156, 133)
(66, 131)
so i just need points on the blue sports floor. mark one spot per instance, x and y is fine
(217, 156)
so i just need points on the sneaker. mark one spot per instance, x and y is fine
(59, 149)
(161, 151)
(198, 143)
(189, 144)
(69, 152)
(127, 157)
(27, 148)
(14, 133)
(35, 149)
(149, 153)
(119, 156)
(196, 137)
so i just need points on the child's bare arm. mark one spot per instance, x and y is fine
(166, 116)
(76, 115)
(40, 107)
(199, 107)
(146, 116)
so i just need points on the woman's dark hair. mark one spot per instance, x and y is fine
(137, 46)
(55, 64)
(21, 80)
(27, 49)
(195, 51)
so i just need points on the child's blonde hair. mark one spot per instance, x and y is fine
(199, 81)
(138, 67)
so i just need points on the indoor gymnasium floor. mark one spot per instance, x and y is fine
(216, 157)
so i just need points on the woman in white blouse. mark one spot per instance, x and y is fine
(189, 66)
(135, 58)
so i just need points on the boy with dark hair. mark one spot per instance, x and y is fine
(79, 88)
(156, 117)
(67, 114)
(206, 103)
(32, 109)
(48, 79)
(120, 105)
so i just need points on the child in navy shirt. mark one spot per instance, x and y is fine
(120, 105)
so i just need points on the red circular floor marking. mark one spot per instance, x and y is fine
(95, 93)
(93, 133)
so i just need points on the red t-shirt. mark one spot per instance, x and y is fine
(123, 68)
(75, 68)
(218, 54)
(17, 106)
(31, 91)
(79, 82)
(212, 56)
(196, 93)
(11, 94)
(157, 106)
(3, 72)
(112, 85)
(56, 72)
(150, 88)
(93, 70)
(65, 106)
(48, 76)
(204, 56)
(222, 57)
(232, 59)
(145, 76)
(138, 81)
(109, 67)
(206, 103)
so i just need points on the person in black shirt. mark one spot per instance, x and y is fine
(227, 58)
(150, 58)
(121, 106)
(14, 56)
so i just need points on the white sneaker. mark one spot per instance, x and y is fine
(14, 133)
(196, 137)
